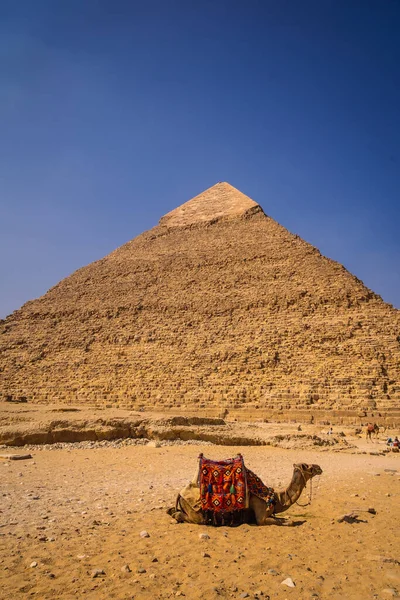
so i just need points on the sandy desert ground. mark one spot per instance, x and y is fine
(71, 522)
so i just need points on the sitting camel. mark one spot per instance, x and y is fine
(188, 505)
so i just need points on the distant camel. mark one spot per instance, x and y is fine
(372, 430)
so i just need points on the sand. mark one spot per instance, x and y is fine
(68, 512)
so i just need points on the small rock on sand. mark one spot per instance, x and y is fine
(204, 536)
(33, 564)
(97, 572)
(289, 582)
(126, 569)
(144, 534)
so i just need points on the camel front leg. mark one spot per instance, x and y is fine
(276, 521)
(264, 514)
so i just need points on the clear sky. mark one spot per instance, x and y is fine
(113, 112)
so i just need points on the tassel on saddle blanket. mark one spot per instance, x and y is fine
(225, 487)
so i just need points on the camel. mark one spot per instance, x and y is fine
(188, 507)
(372, 430)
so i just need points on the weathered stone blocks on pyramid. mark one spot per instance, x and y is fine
(217, 306)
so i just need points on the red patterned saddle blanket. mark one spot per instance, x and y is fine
(225, 485)
(222, 483)
(257, 488)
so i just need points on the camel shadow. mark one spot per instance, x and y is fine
(282, 522)
(299, 523)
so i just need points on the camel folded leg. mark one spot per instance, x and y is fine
(184, 513)
(179, 516)
(264, 514)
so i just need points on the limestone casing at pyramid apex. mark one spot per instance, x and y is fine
(221, 201)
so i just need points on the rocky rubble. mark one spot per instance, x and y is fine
(37, 427)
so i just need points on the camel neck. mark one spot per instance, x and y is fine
(292, 493)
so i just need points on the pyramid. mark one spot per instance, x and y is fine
(217, 307)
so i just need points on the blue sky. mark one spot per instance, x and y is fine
(114, 112)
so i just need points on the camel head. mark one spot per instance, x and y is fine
(308, 471)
